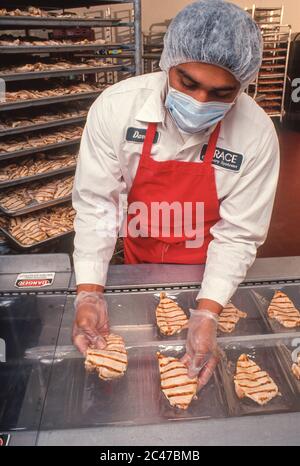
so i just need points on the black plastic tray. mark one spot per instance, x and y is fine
(28, 179)
(22, 153)
(46, 125)
(35, 207)
(21, 247)
(49, 100)
(269, 359)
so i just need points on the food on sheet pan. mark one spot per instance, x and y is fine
(252, 382)
(17, 198)
(33, 228)
(38, 12)
(32, 166)
(177, 387)
(282, 309)
(40, 139)
(110, 362)
(23, 120)
(229, 318)
(169, 316)
(57, 65)
(58, 91)
(296, 368)
(22, 42)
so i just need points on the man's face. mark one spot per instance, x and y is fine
(204, 82)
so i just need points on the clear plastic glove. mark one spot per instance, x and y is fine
(202, 353)
(91, 321)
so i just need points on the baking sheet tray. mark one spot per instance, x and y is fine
(262, 297)
(35, 206)
(48, 100)
(49, 124)
(267, 356)
(33, 150)
(21, 247)
(66, 72)
(124, 309)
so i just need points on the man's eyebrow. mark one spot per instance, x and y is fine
(221, 88)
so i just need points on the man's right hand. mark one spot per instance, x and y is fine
(91, 321)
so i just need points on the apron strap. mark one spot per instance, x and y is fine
(149, 139)
(210, 151)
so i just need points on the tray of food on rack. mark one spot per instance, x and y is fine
(36, 196)
(40, 228)
(39, 166)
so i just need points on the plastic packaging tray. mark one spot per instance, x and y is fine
(136, 398)
(268, 358)
(125, 307)
(39, 126)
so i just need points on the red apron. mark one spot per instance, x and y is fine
(171, 181)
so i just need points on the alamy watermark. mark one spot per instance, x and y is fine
(182, 221)
(296, 90)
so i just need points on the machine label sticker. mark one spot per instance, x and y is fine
(34, 280)
(139, 135)
(224, 158)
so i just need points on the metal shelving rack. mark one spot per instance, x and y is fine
(270, 85)
(119, 57)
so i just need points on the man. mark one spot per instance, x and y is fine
(190, 136)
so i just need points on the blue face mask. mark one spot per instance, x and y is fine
(192, 116)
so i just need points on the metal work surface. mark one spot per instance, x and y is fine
(53, 400)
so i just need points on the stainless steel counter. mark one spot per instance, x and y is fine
(58, 404)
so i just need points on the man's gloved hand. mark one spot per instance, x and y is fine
(91, 321)
(202, 353)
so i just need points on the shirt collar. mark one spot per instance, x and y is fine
(154, 110)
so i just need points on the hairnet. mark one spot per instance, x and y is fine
(218, 33)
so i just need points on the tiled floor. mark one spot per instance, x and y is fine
(284, 233)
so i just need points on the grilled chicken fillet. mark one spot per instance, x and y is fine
(283, 310)
(169, 316)
(229, 318)
(177, 387)
(111, 362)
(252, 382)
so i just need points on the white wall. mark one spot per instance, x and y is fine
(156, 11)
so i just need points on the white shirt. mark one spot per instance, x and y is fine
(246, 172)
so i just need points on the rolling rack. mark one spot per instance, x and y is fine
(153, 46)
(114, 55)
(269, 88)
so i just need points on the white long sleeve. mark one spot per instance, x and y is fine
(245, 218)
(98, 182)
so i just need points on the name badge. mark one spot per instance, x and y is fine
(224, 158)
(139, 135)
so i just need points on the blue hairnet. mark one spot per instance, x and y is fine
(218, 33)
